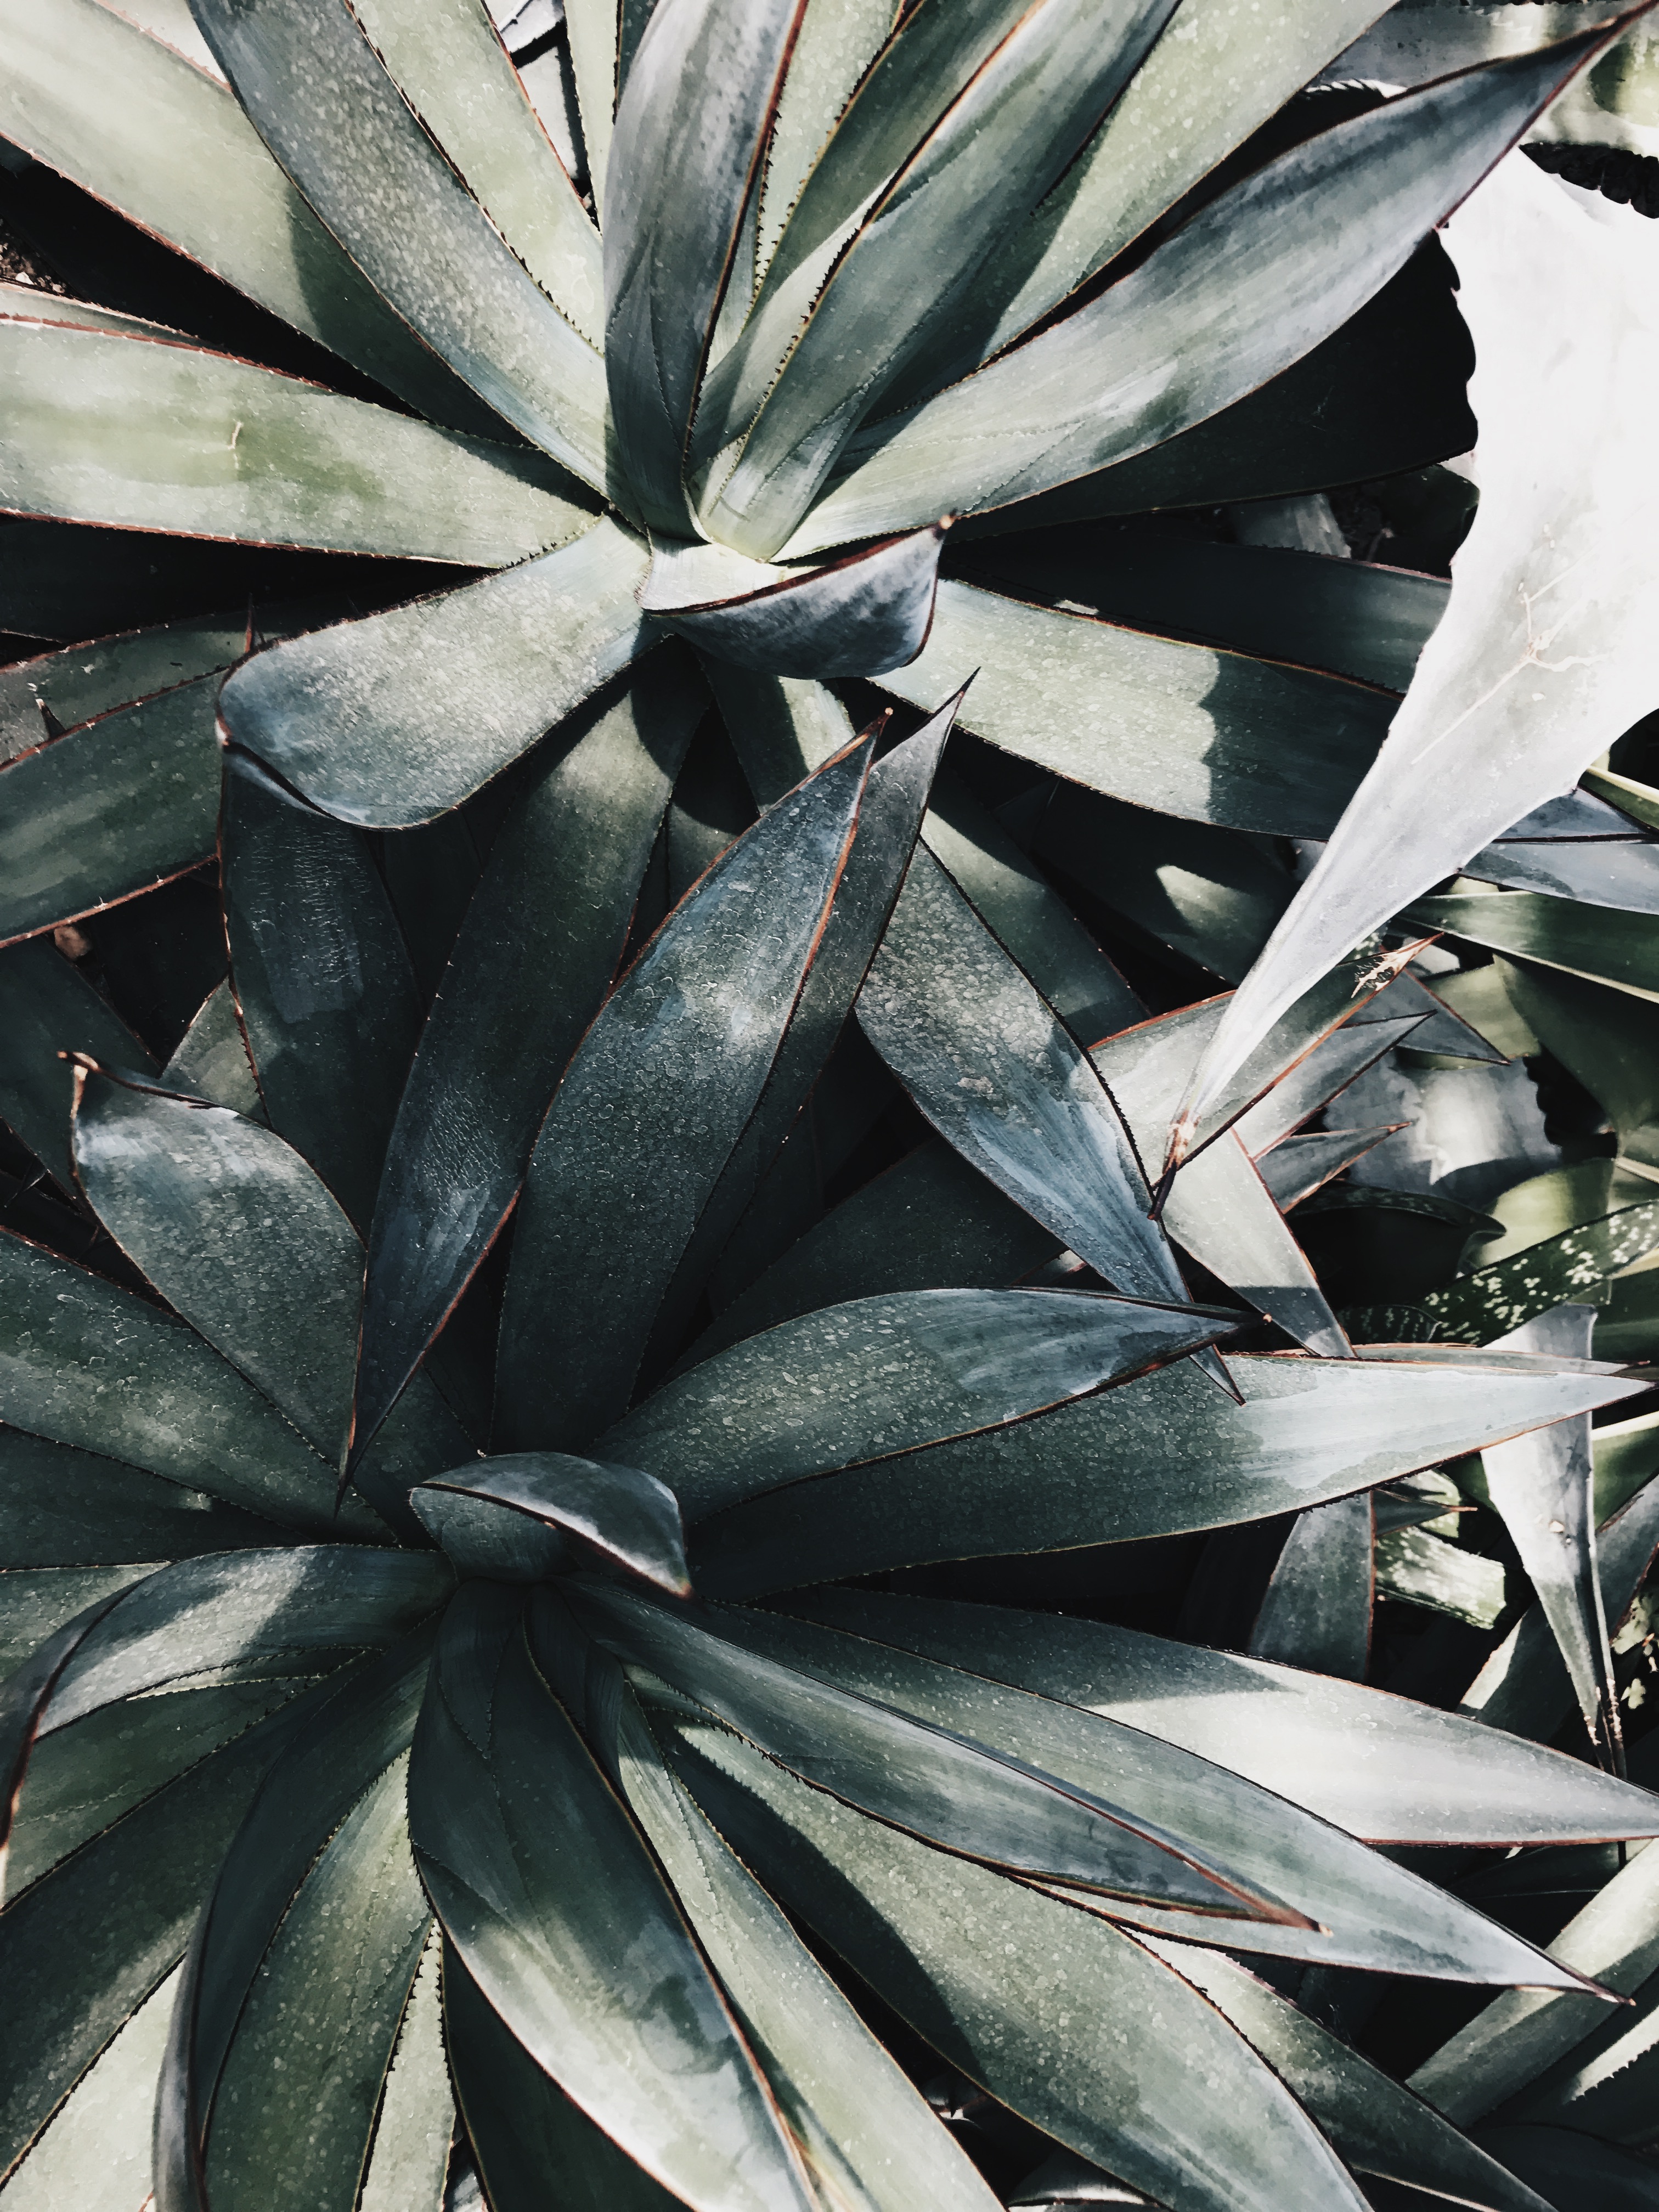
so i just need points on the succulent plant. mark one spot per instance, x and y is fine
(598, 1215)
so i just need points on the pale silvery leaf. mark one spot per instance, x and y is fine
(1543, 656)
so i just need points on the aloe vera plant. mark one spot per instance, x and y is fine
(601, 1209)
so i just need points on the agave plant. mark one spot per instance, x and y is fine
(433, 1353)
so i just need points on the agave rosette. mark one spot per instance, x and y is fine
(434, 1738)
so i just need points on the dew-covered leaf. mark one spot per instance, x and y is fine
(626, 1517)
(1316, 1610)
(391, 720)
(49, 1008)
(701, 1013)
(546, 1890)
(537, 951)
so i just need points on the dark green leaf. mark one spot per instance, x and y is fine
(891, 808)
(1003, 1080)
(324, 103)
(1245, 287)
(861, 2124)
(1345, 617)
(391, 720)
(133, 1894)
(139, 127)
(1007, 136)
(1299, 1166)
(1377, 2125)
(701, 1013)
(931, 1223)
(211, 1058)
(90, 680)
(675, 202)
(1059, 2014)
(59, 1507)
(1161, 1454)
(1597, 942)
(86, 1363)
(537, 950)
(625, 1516)
(930, 1782)
(1316, 1611)
(869, 612)
(1601, 872)
(1425, 1777)
(109, 810)
(883, 1376)
(1181, 729)
(601, 1984)
(526, 2133)
(49, 1008)
(213, 446)
(322, 982)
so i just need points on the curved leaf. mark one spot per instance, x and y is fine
(1481, 1307)
(1182, 729)
(1377, 2126)
(389, 720)
(1221, 1211)
(49, 1008)
(1426, 1777)
(930, 1782)
(1544, 583)
(861, 2124)
(106, 812)
(943, 997)
(540, 944)
(1164, 1454)
(601, 1981)
(856, 616)
(134, 124)
(325, 104)
(1102, 2047)
(629, 1517)
(215, 447)
(318, 1874)
(882, 1376)
(450, 65)
(1246, 287)
(1009, 135)
(708, 1004)
(675, 190)
(86, 1363)
(322, 985)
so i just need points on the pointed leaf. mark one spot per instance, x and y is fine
(538, 948)
(1299, 1166)
(706, 1004)
(1522, 676)
(323, 983)
(891, 808)
(1479, 1307)
(211, 1058)
(861, 2123)
(1364, 1909)
(219, 447)
(675, 194)
(95, 2152)
(1009, 135)
(1182, 729)
(1541, 1486)
(48, 1007)
(887, 1375)
(1098, 2028)
(451, 66)
(856, 616)
(521, 2125)
(1602, 872)
(602, 1985)
(943, 997)
(133, 123)
(1600, 942)
(928, 1782)
(86, 1363)
(1164, 1454)
(415, 2124)
(1316, 1612)
(1377, 2125)
(391, 720)
(630, 1518)
(323, 101)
